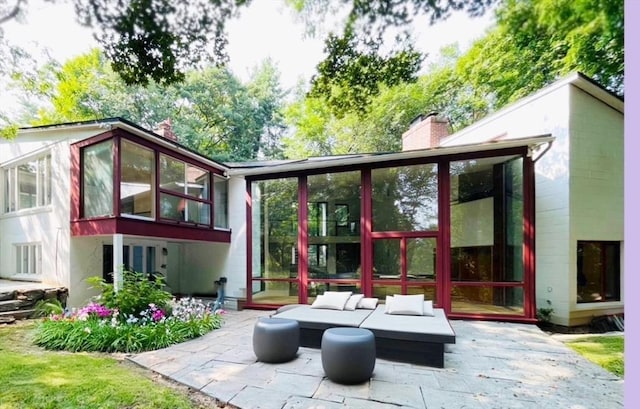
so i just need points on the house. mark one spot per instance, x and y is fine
(520, 211)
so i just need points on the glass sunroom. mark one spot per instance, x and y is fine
(454, 224)
(133, 188)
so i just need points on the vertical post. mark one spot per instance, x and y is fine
(117, 262)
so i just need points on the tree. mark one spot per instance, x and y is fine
(349, 78)
(535, 42)
(159, 40)
(317, 131)
(211, 111)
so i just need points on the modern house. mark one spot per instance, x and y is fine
(522, 210)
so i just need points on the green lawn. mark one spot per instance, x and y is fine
(34, 378)
(606, 351)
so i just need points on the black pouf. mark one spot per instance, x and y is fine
(348, 354)
(276, 340)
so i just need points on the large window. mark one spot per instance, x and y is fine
(28, 184)
(598, 277)
(487, 225)
(274, 241)
(184, 192)
(137, 170)
(405, 198)
(220, 200)
(29, 259)
(97, 182)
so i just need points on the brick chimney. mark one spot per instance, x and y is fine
(166, 130)
(424, 132)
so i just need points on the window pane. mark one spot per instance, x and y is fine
(220, 200)
(198, 212)
(136, 185)
(487, 300)
(172, 175)
(334, 225)
(151, 259)
(386, 259)
(98, 179)
(429, 292)
(137, 258)
(598, 271)
(405, 198)
(197, 183)
(487, 220)
(421, 259)
(27, 185)
(274, 230)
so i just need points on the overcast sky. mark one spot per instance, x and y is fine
(265, 29)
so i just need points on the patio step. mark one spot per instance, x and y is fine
(18, 315)
(20, 304)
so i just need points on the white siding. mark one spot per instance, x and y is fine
(236, 265)
(596, 183)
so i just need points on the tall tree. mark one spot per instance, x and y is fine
(211, 111)
(537, 41)
(159, 40)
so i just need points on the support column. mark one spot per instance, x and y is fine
(117, 262)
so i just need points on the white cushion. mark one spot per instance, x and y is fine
(332, 300)
(367, 303)
(387, 303)
(406, 305)
(428, 309)
(352, 302)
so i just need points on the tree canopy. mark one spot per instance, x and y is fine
(211, 110)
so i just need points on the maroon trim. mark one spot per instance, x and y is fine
(76, 185)
(303, 239)
(443, 246)
(520, 150)
(117, 176)
(366, 244)
(529, 213)
(161, 149)
(249, 246)
(404, 234)
(135, 227)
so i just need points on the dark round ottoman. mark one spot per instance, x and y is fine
(348, 354)
(276, 339)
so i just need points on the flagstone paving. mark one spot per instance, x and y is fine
(493, 365)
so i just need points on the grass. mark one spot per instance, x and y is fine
(34, 378)
(606, 351)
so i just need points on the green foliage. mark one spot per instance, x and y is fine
(44, 308)
(536, 42)
(212, 112)
(544, 314)
(349, 78)
(136, 294)
(606, 351)
(33, 378)
(98, 328)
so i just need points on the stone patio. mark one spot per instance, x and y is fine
(492, 365)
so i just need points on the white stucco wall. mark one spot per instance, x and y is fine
(596, 189)
(48, 225)
(235, 267)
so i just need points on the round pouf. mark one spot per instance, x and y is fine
(348, 354)
(276, 339)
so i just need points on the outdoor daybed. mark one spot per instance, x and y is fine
(405, 338)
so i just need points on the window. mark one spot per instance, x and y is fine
(184, 192)
(97, 179)
(29, 259)
(27, 185)
(220, 200)
(598, 275)
(137, 166)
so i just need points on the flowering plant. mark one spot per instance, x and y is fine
(107, 328)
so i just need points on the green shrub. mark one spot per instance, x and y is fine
(136, 294)
(98, 328)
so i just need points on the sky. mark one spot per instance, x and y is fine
(266, 29)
